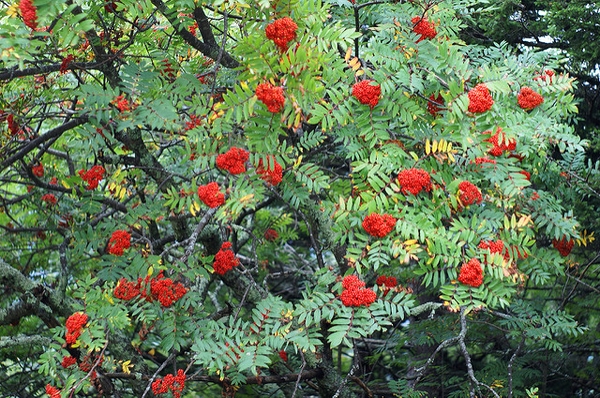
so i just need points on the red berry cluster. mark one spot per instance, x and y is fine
(194, 122)
(272, 176)
(435, 104)
(367, 93)
(283, 355)
(162, 289)
(49, 198)
(529, 99)
(175, 384)
(471, 273)
(193, 27)
(282, 31)
(225, 259)
(485, 159)
(210, 195)
(355, 294)
(414, 181)
(495, 247)
(480, 99)
(563, 246)
(378, 225)
(165, 290)
(29, 13)
(74, 324)
(499, 143)
(387, 281)
(121, 103)
(52, 392)
(546, 76)
(64, 65)
(424, 28)
(68, 361)
(234, 160)
(167, 69)
(271, 235)
(526, 174)
(38, 170)
(13, 126)
(469, 193)
(92, 176)
(118, 242)
(271, 96)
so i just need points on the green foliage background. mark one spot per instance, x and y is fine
(430, 336)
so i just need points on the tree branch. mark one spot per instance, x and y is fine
(211, 50)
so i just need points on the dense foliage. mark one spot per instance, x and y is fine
(285, 198)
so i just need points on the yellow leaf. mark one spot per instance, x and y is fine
(246, 198)
(65, 184)
(244, 85)
(354, 61)
(297, 162)
(410, 242)
(348, 54)
(13, 10)
(359, 72)
(126, 366)
(356, 66)
(443, 145)
(427, 146)
(434, 146)
(150, 270)
(193, 210)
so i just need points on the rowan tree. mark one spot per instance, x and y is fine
(290, 198)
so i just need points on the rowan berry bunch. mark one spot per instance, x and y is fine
(367, 93)
(563, 246)
(118, 242)
(378, 225)
(92, 176)
(271, 235)
(282, 31)
(424, 28)
(165, 290)
(211, 195)
(414, 181)
(49, 198)
(74, 326)
(38, 170)
(122, 103)
(495, 247)
(355, 294)
(162, 289)
(480, 99)
(171, 382)
(272, 176)
(68, 361)
(529, 99)
(499, 143)
(471, 273)
(270, 95)
(469, 193)
(485, 159)
(29, 13)
(234, 160)
(52, 392)
(225, 259)
(435, 104)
